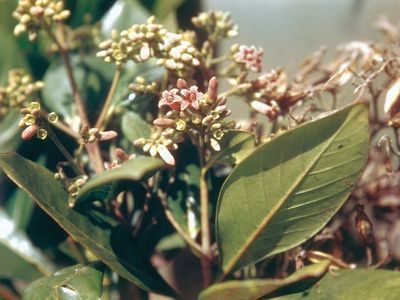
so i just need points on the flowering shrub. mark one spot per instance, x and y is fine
(142, 166)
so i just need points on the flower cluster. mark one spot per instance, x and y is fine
(34, 14)
(92, 135)
(192, 113)
(218, 24)
(249, 58)
(180, 57)
(161, 144)
(142, 42)
(139, 43)
(16, 93)
(33, 122)
(142, 86)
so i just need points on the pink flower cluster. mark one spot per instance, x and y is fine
(250, 57)
(181, 98)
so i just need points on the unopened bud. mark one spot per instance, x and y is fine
(29, 132)
(107, 135)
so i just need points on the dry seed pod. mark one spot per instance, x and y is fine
(392, 105)
(364, 227)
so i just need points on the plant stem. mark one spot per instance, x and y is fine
(77, 169)
(206, 264)
(205, 230)
(101, 121)
(93, 150)
(196, 247)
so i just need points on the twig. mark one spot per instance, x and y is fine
(205, 219)
(77, 169)
(196, 247)
(93, 149)
(102, 117)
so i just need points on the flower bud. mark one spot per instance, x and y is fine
(29, 132)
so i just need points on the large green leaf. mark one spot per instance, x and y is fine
(105, 185)
(289, 188)
(105, 238)
(10, 137)
(134, 126)
(235, 146)
(18, 257)
(182, 198)
(359, 284)
(57, 92)
(122, 15)
(76, 282)
(256, 288)
(20, 208)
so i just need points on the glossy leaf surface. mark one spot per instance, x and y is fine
(18, 257)
(290, 187)
(359, 284)
(105, 185)
(235, 146)
(76, 282)
(105, 238)
(257, 288)
(134, 126)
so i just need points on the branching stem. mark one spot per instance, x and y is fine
(101, 121)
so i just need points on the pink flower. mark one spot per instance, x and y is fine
(250, 57)
(191, 97)
(172, 99)
(182, 98)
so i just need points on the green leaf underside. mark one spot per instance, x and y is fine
(104, 238)
(134, 126)
(18, 257)
(236, 145)
(257, 288)
(289, 188)
(75, 282)
(104, 185)
(359, 284)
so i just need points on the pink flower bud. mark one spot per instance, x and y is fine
(260, 107)
(29, 132)
(121, 154)
(212, 88)
(163, 122)
(107, 135)
(181, 84)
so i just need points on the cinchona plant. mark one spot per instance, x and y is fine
(155, 189)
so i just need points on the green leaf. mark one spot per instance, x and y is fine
(105, 185)
(359, 284)
(10, 135)
(86, 11)
(18, 257)
(236, 145)
(134, 126)
(122, 15)
(105, 238)
(256, 288)
(20, 208)
(75, 282)
(163, 8)
(290, 187)
(182, 198)
(57, 92)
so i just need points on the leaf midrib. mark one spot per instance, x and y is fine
(280, 203)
